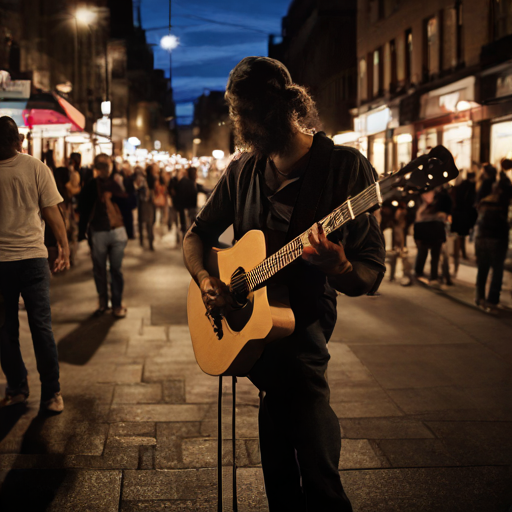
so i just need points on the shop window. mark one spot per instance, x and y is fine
(501, 18)
(457, 139)
(501, 142)
(387, 67)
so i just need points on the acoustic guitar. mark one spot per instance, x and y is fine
(231, 344)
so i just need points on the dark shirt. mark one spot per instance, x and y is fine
(93, 212)
(244, 198)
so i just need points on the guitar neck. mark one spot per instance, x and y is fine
(349, 210)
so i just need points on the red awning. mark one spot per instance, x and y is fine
(49, 108)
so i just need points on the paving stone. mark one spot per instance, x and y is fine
(138, 394)
(417, 453)
(356, 393)
(384, 428)
(169, 485)
(168, 506)
(174, 391)
(144, 429)
(416, 401)
(246, 422)
(168, 454)
(359, 454)
(89, 439)
(178, 429)
(478, 489)
(60, 490)
(199, 453)
(158, 412)
(141, 348)
(479, 443)
(381, 408)
(146, 457)
(131, 441)
(124, 374)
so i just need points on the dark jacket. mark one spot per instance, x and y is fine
(238, 199)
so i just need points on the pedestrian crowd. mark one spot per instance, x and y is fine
(101, 204)
(476, 207)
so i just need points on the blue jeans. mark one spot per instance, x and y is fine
(109, 244)
(31, 279)
(490, 253)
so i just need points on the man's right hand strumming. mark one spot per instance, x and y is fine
(216, 295)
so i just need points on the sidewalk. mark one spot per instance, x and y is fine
(421, 388)
(463, 289)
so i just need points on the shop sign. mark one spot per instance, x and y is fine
(15, 89)
(378, 121)
(504, 86)
(103, 126)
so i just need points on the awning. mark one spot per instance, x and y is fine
(13, 109)
(49, 108)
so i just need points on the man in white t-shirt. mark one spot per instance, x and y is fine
(28, 195)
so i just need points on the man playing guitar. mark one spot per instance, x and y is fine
(274, 121)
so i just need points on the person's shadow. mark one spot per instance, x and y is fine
(81, 343)
(24, 489)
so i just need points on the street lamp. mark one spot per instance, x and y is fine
(85, 16)
(169, 42)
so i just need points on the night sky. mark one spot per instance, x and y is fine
(209, 49)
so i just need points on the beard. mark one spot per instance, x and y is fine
(264, 135)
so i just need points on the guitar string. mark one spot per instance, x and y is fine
(284, 255)
(291, 251)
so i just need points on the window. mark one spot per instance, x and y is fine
(393, 66)
(378, 73)
(430, 48)
(363, 86)
(408, 56)
(501, 18)
(400, 59)
(452, 36)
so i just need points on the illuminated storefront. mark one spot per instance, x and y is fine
(501, 142)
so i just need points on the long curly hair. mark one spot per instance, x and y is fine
(267, 108)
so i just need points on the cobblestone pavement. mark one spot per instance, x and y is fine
(421, 384)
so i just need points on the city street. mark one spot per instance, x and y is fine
(421, 385)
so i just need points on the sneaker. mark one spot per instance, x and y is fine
(54, 405)
(119, 312)
(8, 400)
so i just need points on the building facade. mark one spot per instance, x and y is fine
(431, 73)
(77, 56)
(318, 47)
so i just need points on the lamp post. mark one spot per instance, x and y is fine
(169, 43)
(82, 16)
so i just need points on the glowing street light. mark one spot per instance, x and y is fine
(85, 16)
(218, 154)
(169, 42)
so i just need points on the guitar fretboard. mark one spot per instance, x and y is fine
(349, 210)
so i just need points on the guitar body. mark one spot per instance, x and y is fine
(245, 332)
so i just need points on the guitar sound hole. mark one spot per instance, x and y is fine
(238, 318)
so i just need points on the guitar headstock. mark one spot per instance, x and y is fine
(423, 174)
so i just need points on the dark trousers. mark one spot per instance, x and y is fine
(111, 245)
(421, 257)
(490, 253)
(300, 438)
(146, 221)
(31, 279)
